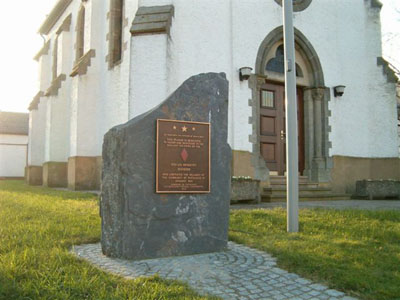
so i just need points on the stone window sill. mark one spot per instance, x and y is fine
(83, 63)
(152, 20)
(55, 85)
(35, 102)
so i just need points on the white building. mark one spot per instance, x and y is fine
(108, 61)
(13, 144)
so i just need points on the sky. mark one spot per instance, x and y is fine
(18, 79)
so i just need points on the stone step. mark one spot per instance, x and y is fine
(322, 196)
(282, 179)
(302, 189)
(302, 185)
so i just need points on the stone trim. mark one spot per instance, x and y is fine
(153, 20)
(387, 70)
(55, 174)
(115, 36)
(316, 110)
(83, 63)
(302, 45)
(84, 172)
(298, 5)
(35, 101)
(55, 86)
(66, 25)
(316, 125)
(261, 171)
(54, 16)
(34, 175)
(43, 51)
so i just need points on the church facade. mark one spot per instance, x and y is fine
(105, 62)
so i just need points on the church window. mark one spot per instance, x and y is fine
(80, 34)
(115, 34)
(267, 99)
(277, 64)
(55, 58)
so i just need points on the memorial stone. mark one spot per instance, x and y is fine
(166, 176)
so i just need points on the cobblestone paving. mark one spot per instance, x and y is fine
(239, 273)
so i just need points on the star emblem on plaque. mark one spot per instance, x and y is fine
(183, 157)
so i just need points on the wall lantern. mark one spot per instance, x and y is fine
(244, 73)
(338, 91)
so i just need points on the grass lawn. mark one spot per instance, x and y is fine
(354, 251)
(37, 228)
(351, 250)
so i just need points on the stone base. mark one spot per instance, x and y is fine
(34, 175)
(84, 173)
(348, 170)
(320, 171)
(377, 189)
(245, 189)
(55, 174)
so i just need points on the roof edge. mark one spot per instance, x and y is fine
(54, 15)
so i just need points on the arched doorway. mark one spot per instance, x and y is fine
(269, 110)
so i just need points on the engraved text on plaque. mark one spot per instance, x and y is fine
(183, 157)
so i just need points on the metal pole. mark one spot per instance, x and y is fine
(292, 156)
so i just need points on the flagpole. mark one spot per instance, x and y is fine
(292, 158)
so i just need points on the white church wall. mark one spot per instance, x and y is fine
(85, 89)
(114, 106)
(363, 119)
(65, 55)
(57, 129)
(148, 84)
(35, 151)
(345, 59)
(214, 36)
(249, 26)
(154, 2)
(32, 118)
(38, 137)
(57, 107)
(229, 38)
(44, 72)
(385, 99)
(83, 138)
(200, 43)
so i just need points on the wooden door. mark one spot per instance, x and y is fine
(272, 127)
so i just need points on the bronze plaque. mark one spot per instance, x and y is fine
(183, 157)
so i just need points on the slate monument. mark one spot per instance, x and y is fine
(166, 176)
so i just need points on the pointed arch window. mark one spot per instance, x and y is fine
(116, 33)
(80, 34)
(55, 59)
